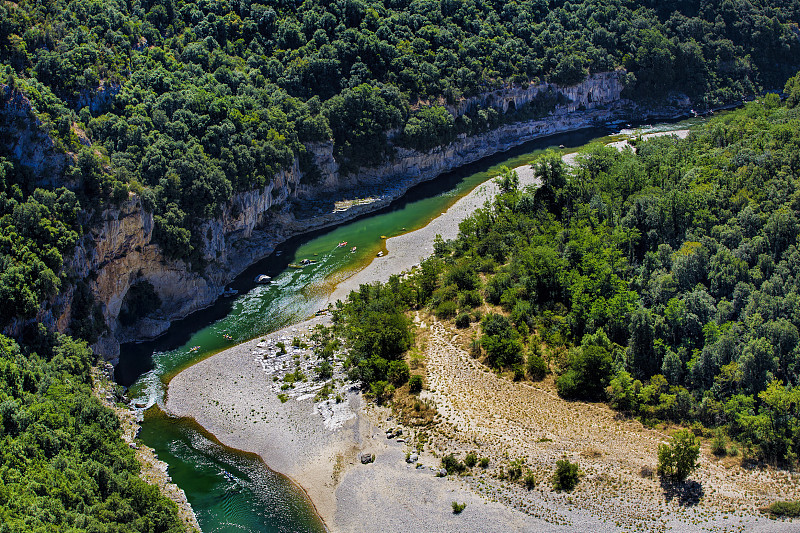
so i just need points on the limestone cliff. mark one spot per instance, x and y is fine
(27, 139)
(119, 251)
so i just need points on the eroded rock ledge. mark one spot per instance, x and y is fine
(119, 251)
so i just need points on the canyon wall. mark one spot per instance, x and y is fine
(119, 251)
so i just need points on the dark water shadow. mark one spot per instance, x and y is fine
(687, 493)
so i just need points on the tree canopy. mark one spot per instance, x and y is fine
(188, 102)
(661, 279)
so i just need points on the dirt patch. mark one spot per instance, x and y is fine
(527, 426)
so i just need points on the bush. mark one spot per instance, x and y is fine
(529, 480)
(398, 372)
(462, 320)
(515, 470)
(588, 374)
(458, 507)
(471, 459)
(566, 476)
(415, 384)
(484, 462)
(452, 465)
(446, 310)
(679, 458)
(537, 367)
(381, 390)
(790, 509)
(471, 299)
(719, 443)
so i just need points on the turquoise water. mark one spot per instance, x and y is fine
(232, 491)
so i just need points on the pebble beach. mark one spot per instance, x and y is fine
(319, 443)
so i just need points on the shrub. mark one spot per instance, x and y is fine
(471, 299)
(679, 458)
(566, 476)
(588, 374)
(325, 370)
(398, 372)
(458, 507)
(719, 443)
(537, 367)
(471, 459)
(789, 508)
(462, 320)
(515, 470)
(446, 310)
(529, 480)
(484, 462)
(452, 465)
(380, 390)
(415, 384)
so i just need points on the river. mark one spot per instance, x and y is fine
(234, 491)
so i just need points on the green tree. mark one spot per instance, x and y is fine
(678, 459)
(566, 476)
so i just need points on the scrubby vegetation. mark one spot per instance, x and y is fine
(38, 228)
(678, 459)
(787, 509)
(566, 476)
(662, 280)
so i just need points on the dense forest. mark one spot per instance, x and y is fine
(664, 280)
(596, 275)
(63, 465)
(186, 102)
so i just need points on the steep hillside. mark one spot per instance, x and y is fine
(190, 131)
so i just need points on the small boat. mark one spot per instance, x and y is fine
(262, 279)
(229, 292)
(353, 250)
(342, 244)
(561, 146)
(306, 262)
(228, 337)
(380, 254)
(194, 348)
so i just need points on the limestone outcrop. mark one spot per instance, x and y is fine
(119, 251)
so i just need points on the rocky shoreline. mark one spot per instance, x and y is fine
(153, 470)
(120, 251)
(475, 411)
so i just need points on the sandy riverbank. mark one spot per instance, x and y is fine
(407, 250)
(233, 395)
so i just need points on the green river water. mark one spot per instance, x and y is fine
(233, 491)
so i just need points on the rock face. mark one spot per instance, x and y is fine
(119, 251)
(23, 135)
